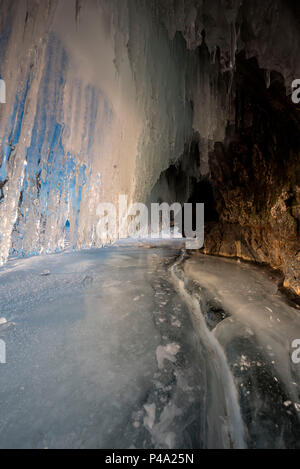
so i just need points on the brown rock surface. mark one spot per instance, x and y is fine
(256, 180)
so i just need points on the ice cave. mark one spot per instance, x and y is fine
(171, 340)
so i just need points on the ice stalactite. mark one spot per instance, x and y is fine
(74, 122)
(102, 96)
(78, 8)
(268, 78)
(96, 108)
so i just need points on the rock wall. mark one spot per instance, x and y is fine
(254, 170)
(255, 173)
(105, 96)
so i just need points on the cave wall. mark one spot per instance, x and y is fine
(101, 98)
(255, 173)
(254, 169)
(94, 89)
(104, 96)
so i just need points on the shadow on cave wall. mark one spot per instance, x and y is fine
(255, 176)
(182, 182)
(252, 196)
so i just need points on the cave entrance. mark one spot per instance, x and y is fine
(203, 192)
(177, 185)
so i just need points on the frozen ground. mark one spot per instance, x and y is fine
(108, 349)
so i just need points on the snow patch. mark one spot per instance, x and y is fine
(168, 353)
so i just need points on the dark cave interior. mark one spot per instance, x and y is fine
(177, 101)
(251, 195)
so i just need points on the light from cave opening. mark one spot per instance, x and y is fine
(165, 221)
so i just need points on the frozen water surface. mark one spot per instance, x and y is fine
(108, 349)
(256, 327)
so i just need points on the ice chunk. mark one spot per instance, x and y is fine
(46, 273)
(149, 419)
(167, 352)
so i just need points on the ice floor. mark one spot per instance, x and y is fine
(256, 327)
(107, 349)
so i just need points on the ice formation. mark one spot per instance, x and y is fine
(101, 96)
(97, 106)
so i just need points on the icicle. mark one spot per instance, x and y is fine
(78, 11)
(267, 78)
(214, 54)
(232, 59)
(233, 46)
